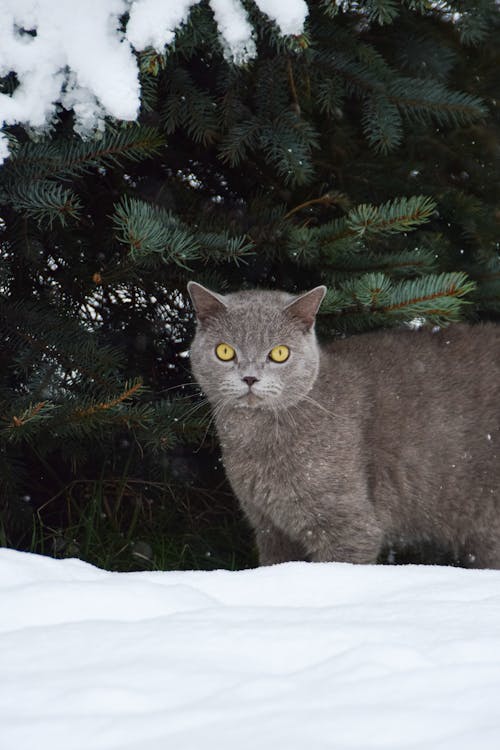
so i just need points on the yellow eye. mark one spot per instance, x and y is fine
(279, 353)
(225, 352)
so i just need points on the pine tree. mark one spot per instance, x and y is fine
(362, 154)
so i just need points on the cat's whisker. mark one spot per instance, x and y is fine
(196, 407)
(216, 410)
(274, 411)
(313, 401)
(181, 385)
(291, 417)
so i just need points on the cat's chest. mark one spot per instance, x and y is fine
(258, 444)
(270, 458)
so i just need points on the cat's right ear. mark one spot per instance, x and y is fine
(206, 303)
(305, 307)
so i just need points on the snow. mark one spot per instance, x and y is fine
(4, 148)
(293, 656)
(76, 56)
(235, 29)
(290, 22)
(141, 33)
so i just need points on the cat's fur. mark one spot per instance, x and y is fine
(393, 435)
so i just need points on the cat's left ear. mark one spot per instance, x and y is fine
(305, 307)
(206, 303)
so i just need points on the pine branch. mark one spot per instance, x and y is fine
(366, 220)
(26, 424)
(329, 8)
(439, 296)
(330, 94)
(422, 6)
(332, 198)
(128, 393)
(45, 202)
(430, 99)
(65, 157)
(173, 422)
(241, 138)
(302, 245)
(154, 234)
(190, 107)
(200, 32)
(337, 243)
(469, 213)
(382, 11)
(382, 124)
(219, 247)
(150, 92)
(41, 335)
(374, 299)
(406, 263)
(359, 78)
(474, 25)
(152, 62)
(487, 275)
(399, 215)
(288, 143)
(422, 57)
(272, 91)
(370, 58)
(487, 297)
(150, 231)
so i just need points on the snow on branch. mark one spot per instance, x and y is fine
(75, 54)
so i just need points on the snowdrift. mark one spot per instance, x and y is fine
(293, 656)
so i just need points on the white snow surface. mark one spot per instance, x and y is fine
(293, 656)
(77, 57)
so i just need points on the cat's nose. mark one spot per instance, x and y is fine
(250, 380)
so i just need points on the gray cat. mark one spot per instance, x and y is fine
(337, 451)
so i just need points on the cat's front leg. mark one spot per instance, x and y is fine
(352, 536)
(273, 545)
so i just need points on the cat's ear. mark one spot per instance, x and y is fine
(305, 307)
(206, 303)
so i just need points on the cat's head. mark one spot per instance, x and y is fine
(255, 349)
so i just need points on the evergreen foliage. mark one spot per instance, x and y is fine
(362, 154)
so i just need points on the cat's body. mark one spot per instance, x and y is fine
(396, 435)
